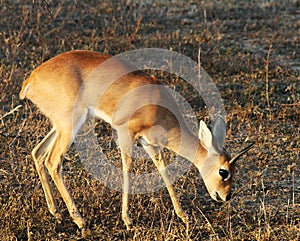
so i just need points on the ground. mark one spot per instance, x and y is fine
(251, 51)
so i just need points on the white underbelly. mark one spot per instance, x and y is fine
(98, 114)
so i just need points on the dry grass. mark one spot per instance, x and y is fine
(235, 38)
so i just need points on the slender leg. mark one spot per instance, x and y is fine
(66, 130)
(40, 154)
(127, 162)
(125, 144)
(54, 164)
(160, 164)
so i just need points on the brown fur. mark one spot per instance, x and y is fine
(73, 85)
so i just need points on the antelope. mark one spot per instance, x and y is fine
(71, 88)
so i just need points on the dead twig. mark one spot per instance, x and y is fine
(267, 75)
(267, 70)
(9, 113)
(12, 143)
(209, 224)
(133, 35)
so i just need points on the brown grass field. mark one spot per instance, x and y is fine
(251, 49)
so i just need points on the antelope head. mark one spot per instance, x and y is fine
(217, 167)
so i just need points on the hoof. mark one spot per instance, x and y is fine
(128, 223)
(129, 226)
(58, 216)
(183, 217)
(85, 233)
(79, 221)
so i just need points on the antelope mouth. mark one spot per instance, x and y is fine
(217, 197)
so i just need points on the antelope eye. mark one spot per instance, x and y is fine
(224, 174)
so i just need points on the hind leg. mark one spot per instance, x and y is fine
(40, 154)
(54, 166)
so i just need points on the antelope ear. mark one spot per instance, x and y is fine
(219, 134)
(205, 136)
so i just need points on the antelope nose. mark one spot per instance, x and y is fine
(228, 197)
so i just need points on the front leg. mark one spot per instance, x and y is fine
(127, 163)
(160, 164)
(125, 144)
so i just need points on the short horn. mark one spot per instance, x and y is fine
(235, 158)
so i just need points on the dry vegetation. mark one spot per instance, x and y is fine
(250, 48)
